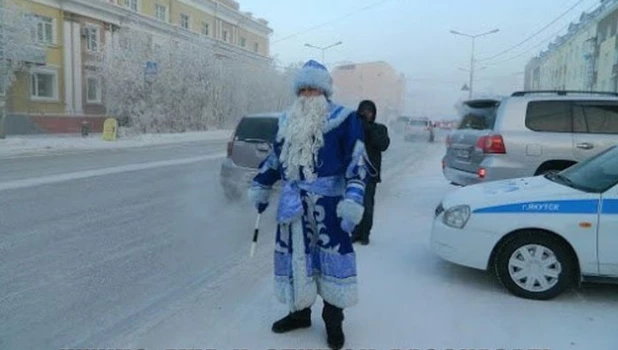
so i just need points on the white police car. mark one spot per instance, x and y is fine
(540, 235)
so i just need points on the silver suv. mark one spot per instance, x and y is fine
(529, 133)
(250, 144)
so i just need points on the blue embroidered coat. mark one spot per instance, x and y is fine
(313, 254)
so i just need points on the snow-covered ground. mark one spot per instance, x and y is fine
(41, 144)
(409, 298)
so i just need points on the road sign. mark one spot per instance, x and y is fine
(151, 68)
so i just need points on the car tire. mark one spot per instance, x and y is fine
(517, 258)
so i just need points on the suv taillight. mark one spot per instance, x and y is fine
(492, 144)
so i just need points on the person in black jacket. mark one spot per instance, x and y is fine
(376, 142)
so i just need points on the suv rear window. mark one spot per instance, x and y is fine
(478, 115)
(549, 116)
(257, 128)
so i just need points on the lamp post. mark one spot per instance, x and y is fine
(323, 49)
(472, 61)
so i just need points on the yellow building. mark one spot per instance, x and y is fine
(59, 95)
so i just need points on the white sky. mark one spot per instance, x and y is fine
(413, 36)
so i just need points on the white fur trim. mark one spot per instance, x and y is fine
(258, 194)
(314, 78)
(335, 120)
(301, 291)
(341, 293)
(350, 210)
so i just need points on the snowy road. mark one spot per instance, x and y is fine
(97, 247)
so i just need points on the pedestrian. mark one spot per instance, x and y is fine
(319, 154)
(376, 142)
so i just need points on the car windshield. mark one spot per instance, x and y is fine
(257, 128)
(597, 174)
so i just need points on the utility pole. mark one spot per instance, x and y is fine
(472, 60)
(323, 49)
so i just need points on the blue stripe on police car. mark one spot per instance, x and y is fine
(574, 206)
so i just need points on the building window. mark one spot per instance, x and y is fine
(131, 4)
(44, 30)
(225, 35)
(205, 29)
(92, 38)
(93, 90)
(161, 12)
(44, 84)
(243, 42)
(256, 47)
(184, 21)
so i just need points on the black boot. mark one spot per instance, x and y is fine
(333, 319)
(294, 320)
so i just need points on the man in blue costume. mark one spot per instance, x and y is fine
(320, 156)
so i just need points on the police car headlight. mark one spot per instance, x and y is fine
(457, 217)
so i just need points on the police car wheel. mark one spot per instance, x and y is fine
(535, 265)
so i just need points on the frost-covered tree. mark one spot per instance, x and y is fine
(17, 44)
(191, 88)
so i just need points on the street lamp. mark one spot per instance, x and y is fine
(323, 49)
(472, 61)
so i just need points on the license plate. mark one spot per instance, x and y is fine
(463, 153)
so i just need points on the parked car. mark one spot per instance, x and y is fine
(419, 129)
(529, 133)
(540, 235)
(251, 142)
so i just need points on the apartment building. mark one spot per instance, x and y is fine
(57, 95)
(377, 81)
(584, 58)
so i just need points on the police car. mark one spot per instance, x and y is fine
(540, 235)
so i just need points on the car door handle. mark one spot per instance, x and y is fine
(585, 145)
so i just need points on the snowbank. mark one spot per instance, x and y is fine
(38, 144)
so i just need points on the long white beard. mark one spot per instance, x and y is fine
(303, 137)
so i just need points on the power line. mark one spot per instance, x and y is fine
(536, 33)
(548, 39)
(370, 6)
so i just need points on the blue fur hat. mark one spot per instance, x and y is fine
(314, 75)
